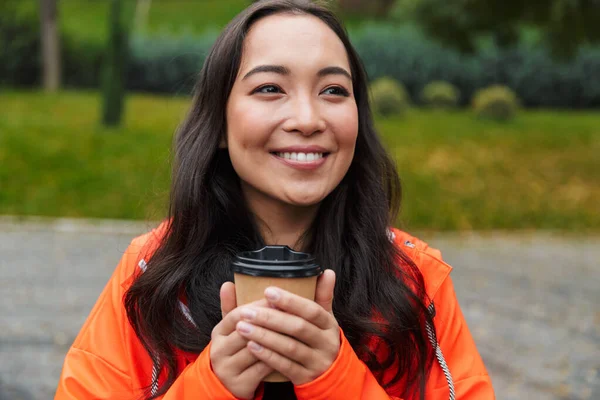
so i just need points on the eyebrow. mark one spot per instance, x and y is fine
(280, 69)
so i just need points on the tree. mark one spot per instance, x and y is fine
(369, 8)
(564, 24)
(115, 66)
(376, 8)
(51, 68)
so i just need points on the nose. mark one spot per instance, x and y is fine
(305, 117)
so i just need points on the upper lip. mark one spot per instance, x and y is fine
(300, 149)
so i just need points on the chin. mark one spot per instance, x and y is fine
(302, 200)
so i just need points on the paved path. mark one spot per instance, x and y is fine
(532, 303)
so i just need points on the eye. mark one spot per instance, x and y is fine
(337, 91)
(268, 89)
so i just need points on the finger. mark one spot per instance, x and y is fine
(286, 346)
(256, 372)
(292, 370)
(324, 292)
(230, 345)
(285, 323)
(242, 360)
(298, 305)
(227, 324)
(228, 298)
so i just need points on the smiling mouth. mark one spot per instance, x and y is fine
(301, 157)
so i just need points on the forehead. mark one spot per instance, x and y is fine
(293, 40)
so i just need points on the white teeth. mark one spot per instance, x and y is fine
(301, 157)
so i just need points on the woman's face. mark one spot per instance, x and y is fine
(292, 119)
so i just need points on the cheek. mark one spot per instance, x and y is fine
(346, 128)
(244, 127)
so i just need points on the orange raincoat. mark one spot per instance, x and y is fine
(107, 361)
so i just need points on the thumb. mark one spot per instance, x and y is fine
(228, 298)
(324, 292)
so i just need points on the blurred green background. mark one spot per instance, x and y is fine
(493, 118)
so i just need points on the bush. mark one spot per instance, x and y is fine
(403, 53)
(388, 97)
(440, 94)
(20, 62)
(170, 64)
(165, 64)
(496, 102)
(20, 51)
(82, 62)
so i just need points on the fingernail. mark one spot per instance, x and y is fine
(255, 346)
(248, 313)
(244, 327)
(272, 294)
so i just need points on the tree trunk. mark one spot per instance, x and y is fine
(50, 45)
(115, 64)
(142, 9)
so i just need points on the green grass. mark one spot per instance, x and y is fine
(540, 171)
(57, 161)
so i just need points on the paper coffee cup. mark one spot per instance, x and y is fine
(279, 266)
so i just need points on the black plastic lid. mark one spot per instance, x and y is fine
(276, 262)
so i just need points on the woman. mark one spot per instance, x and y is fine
(278, 148)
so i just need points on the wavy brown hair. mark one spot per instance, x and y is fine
(379, 296)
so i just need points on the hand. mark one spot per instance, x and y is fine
(236, 367)
(299, 338)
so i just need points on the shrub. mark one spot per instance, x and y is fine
(440, 94)
(496, 102)
(82, 62)
(20, 62)
(169, 64)
(405, 54)
(166, 64)
(388, 97)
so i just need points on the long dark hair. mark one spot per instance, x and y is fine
(379, 296)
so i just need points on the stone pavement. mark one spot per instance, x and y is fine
(531, 301)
